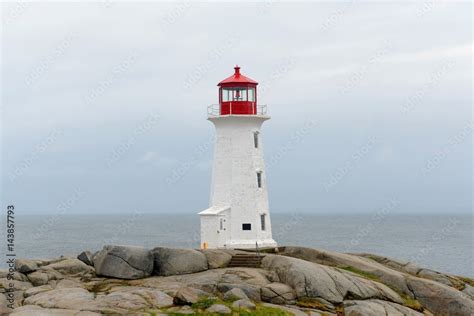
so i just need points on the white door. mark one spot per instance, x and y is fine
(222, 229)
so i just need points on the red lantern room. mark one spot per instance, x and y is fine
(238, 95)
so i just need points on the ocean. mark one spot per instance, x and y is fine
(440, 242)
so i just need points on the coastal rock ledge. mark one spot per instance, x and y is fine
(129, 280)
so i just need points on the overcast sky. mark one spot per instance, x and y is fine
(104, 104)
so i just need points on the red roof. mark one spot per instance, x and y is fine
(237, 78)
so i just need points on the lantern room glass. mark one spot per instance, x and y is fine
(238, 94)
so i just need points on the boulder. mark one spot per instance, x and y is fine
(170, 261)
(186, 296)
(244, 304)
(124, 262)
(72, 267)
(235, 294)
(18, 276)
(217, 258)
(251, 291)
(313, 280)
(219, 309)
(45, 262)
(43, 276)
(439, 298)
(86, 257)
(248, 280)
(278, 293)
(377, 308)
(25, 265)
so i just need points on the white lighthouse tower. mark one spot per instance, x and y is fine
(238, 216)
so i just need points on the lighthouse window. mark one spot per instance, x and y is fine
(259, 179)
(251, 94)
(262, 221)
(241, 95)
(234, 94)
(247, 226)
(255, 139)
(226, 95)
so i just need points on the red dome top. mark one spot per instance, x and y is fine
(238, 79)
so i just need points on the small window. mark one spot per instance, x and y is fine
(262, 221)
(221, 224)
(255, 139)
(246, 226)
(259, 179)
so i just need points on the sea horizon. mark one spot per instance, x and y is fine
(443, 242)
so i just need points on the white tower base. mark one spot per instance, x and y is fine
(239, 215)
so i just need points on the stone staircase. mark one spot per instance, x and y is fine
(247, 260)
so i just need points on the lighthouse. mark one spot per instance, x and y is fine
(238, 215)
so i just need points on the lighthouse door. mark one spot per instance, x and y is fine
(222, 229)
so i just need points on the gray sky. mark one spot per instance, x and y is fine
(104, 104)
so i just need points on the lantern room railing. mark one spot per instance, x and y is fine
(215, 110)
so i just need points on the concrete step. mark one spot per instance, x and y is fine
(245, 260)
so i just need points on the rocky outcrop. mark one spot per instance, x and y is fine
(72, 298)
(3, 305)
(298, 312)
(384, 274)
(414, 269)
(73, 267)
(219, 309)
(249, 280)
(324, 283)
(439, 298)
(469, 291)
(244, 304)
(25, 265)
(43, 276)
(29, 310)
(186, 296)
(312, 280)
(377, 308)
(170, 261)
(217, 258)
(16, 275)
(124, 262)
(278, 293)
(235, 294)
(17, 285)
